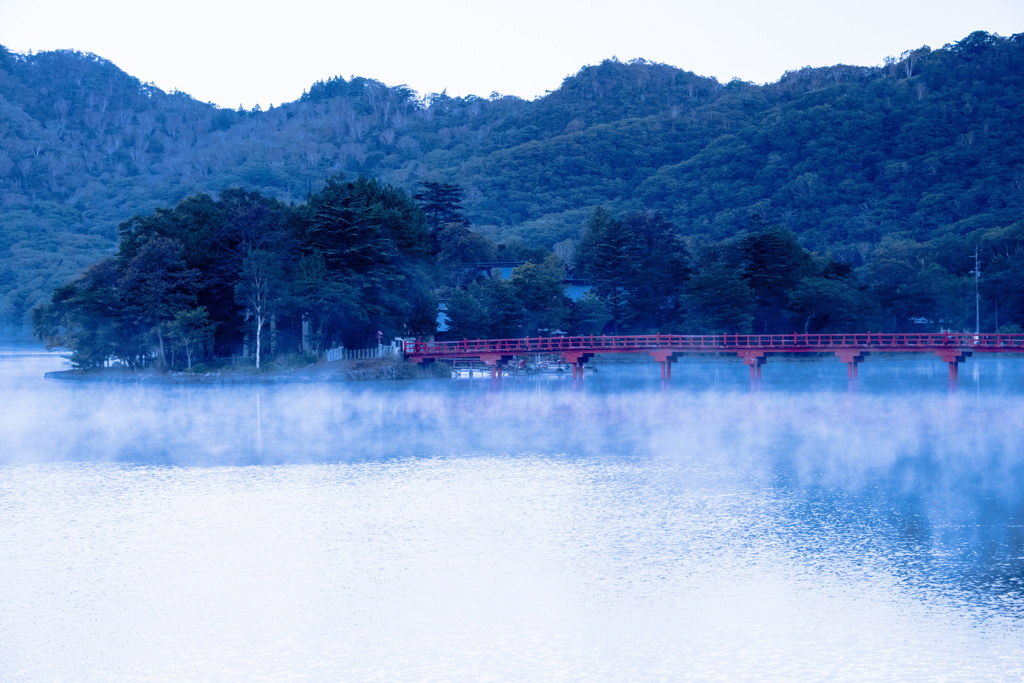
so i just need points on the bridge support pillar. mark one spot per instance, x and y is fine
(665, 358)
(755, 359)
(852, 359)
(494, 361)
(577, 359)
(953, 358)
(666, 369)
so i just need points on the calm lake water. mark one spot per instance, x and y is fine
(540, 529)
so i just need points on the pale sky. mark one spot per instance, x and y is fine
(233, 53)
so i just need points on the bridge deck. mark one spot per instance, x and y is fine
(951, 347)
(723, 343)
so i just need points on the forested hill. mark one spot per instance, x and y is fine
(927, 148)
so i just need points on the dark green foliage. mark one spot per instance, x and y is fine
(531, 303)
(342, 227)
(467, 315)
(612, 262)
(487, 309)
(829, 305)
(191, 330)
(371, 239)
(638, 265)
(442, 202)
(1001, 285)
(665, 268)
(329, 302)
(851, 161)
(217, 276)
(588, 315)
(83, 316)
(541, 293)
(155, 285)
(773, 263)
(719, 299)
(458, 246)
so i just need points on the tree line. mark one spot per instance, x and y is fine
(213, 277)
(645, 277)
(244, 274)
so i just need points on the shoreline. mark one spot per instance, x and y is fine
(336, 371)
(210, 378)
(373, 370)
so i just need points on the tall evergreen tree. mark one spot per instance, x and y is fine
(773, 263)
(610, 252)
(442, 203)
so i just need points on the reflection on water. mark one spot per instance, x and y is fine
(609, 530)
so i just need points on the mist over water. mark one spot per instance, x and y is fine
(611, 529)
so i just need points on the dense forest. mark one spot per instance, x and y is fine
(251, 277)
(884, 180)
(238, 275)
(245, 275)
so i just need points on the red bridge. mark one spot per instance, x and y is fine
(952, 347)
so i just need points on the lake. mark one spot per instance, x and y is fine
(616, 528)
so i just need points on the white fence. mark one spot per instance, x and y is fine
(341, 353)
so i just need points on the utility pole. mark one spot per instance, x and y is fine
(977, 297)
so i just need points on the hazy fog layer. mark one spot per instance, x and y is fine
(459, 530)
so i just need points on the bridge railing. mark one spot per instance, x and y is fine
(718, 342)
